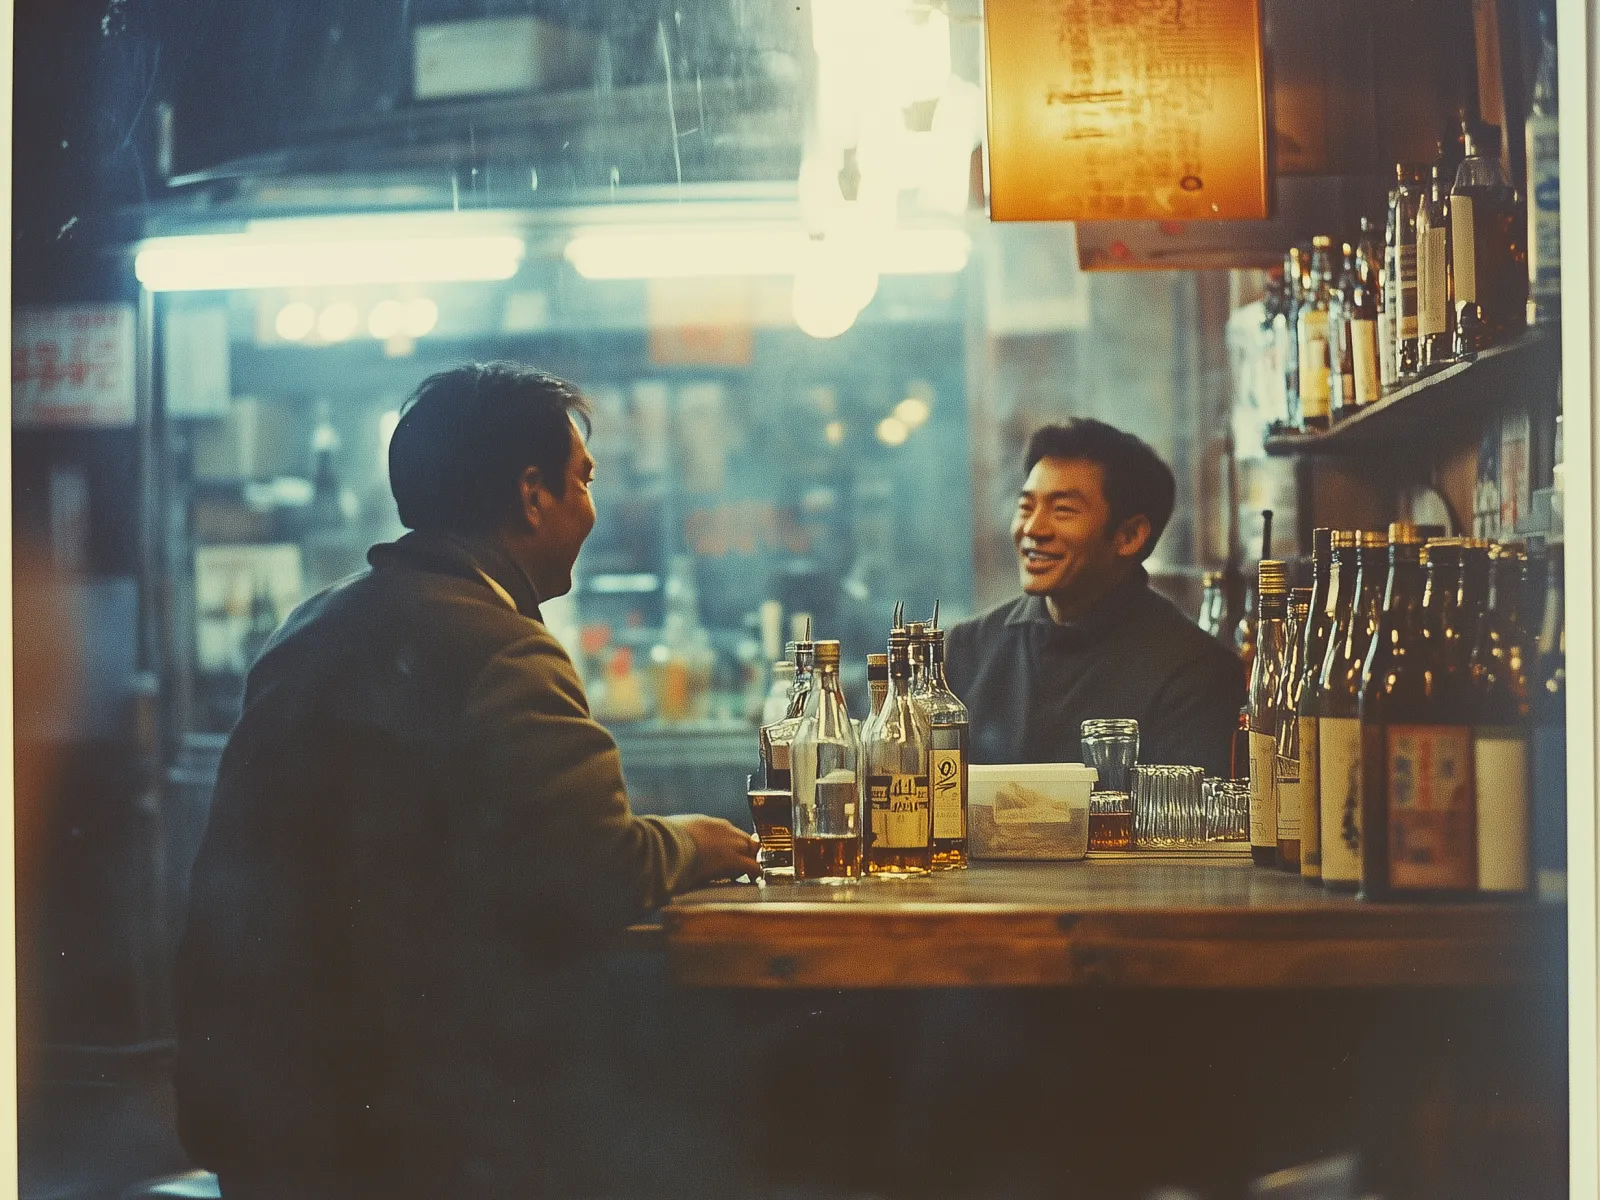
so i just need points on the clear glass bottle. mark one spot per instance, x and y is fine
(1341, 314)
(827, 780)
(1313, 649)
(899, 833)
(1543, 140)
(1273, 589)
(948, 725)
(1500, 734)
(1367, 323)
(1213, 604)
(1290, 330)
(1435, 312)
(1286, 764)
(1405, 203)
(1313, 331)
(1488, 269)
(776, 706)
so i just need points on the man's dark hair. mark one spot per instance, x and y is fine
(467, 434)
(1136, 480)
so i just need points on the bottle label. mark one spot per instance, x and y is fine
(1288, 791)
(1432, 275)
(1365, 351)
(1263, 796)
(1428, 776)
(1464, 258)
(1339, 797)
(1500, 773)
(1314, 385)
(1407, 254)
(1387, 366)
(1544, 207)
(1310, 797)
(944, 768)
(900, 816)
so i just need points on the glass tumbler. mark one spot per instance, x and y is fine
(771, 811)
(1168, 807)
(1227, 803)
(1111, 747)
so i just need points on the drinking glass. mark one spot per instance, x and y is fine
(771, 811)
(1227, 808)
(1111, 747)
(1110, 821)
(1168, 808)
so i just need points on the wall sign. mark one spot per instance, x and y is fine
(72, 365)
(1116, 110)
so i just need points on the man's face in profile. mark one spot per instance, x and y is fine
(565, 521)
(1062, 529)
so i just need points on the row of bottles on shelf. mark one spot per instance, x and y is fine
(1462, 262)
(1405, 732)
(886, 796)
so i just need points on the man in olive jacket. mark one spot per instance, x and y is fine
(420, 845)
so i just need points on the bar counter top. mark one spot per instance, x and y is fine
(1145, 920)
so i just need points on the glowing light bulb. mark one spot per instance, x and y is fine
(421, 315)
(386, 319)
(833, 431)
(912, 411)
(338, 321)
(295, 321)
(892, 431)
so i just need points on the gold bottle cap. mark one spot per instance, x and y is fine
(877, 660)
(828, 654)
(1322, 241)
(1345, 539)
(1444, 541)
(1372, 539)
(1404, 533)
(1272, 576)
(1475, 543)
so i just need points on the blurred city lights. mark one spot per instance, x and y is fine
(338, 321)
(386, 320)
(295, 321)
(421, 315)
(892, 431)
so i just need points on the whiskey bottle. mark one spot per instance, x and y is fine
(1291, 301)
(1544, 184)
(1313, 335)
(877, 680)
(1435, 311)
(1362, 566)
(1314, 649)
(1549, 712)
(1489, 274)
(827, 779)
(1500, 709)
(1286, 761)
(1418, 830)
(899, 835)
(1272, 588)
(1368, 350)
(1400, 239)
(947, 756)
(1341, 313)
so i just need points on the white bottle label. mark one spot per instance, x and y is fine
(1500, 771)
(1314, 384)
(1339, 797)
(1388, 368)
(1310, 797)
(1428, 774)
(1544, 209)
(944, 767)
(1288, 809)
(1431, 281)
(1463, 256)
(1364, 350)
(1263, 792)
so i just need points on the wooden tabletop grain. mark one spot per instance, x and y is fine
(1163, 921)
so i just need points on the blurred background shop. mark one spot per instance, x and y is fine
(757, 236)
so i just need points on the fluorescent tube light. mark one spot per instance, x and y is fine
(676, 254)
(215, 262)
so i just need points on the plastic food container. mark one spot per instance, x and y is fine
(1029, 810)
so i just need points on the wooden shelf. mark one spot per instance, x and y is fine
(1170, 922)
(1529, 366)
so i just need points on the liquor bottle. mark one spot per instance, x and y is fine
(1244, 635)
(776, 706)
(1435, 312)
(1341, 314)
(1291, 332)
(1272, 396)
(1213, 604)
(1549, 711)
(877, 680)
(1442, 619)
(947, 756)
(1313, 338)
(1286, 760)
(1500, 735)
(899, 832)
(1472, 598)
(1363, 565)
(1418, 830)
(777, 739)
(1488, 271)
(1314, 648)
(1272, 588)
(827, 779)
(1544, 184)
(1400, 239)
(1367, 323)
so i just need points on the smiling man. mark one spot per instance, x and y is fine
(1088, 638)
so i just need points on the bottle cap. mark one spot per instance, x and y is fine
(828, 654)
(1321, 543)
(1372, 539)
(1322, 241)
(917, 631)
(1272, 576)
(877, 666)
(1476, 544)
(1343, 539)
(1404, 533)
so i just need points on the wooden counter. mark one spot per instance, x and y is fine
(1150, 921)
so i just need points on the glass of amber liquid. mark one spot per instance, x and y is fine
(771, 811)
(1110, 821)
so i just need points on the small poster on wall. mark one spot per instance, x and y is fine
(72, 365)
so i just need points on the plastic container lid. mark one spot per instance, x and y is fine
(1051, 772)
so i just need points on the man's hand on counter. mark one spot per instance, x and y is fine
(722, 850)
